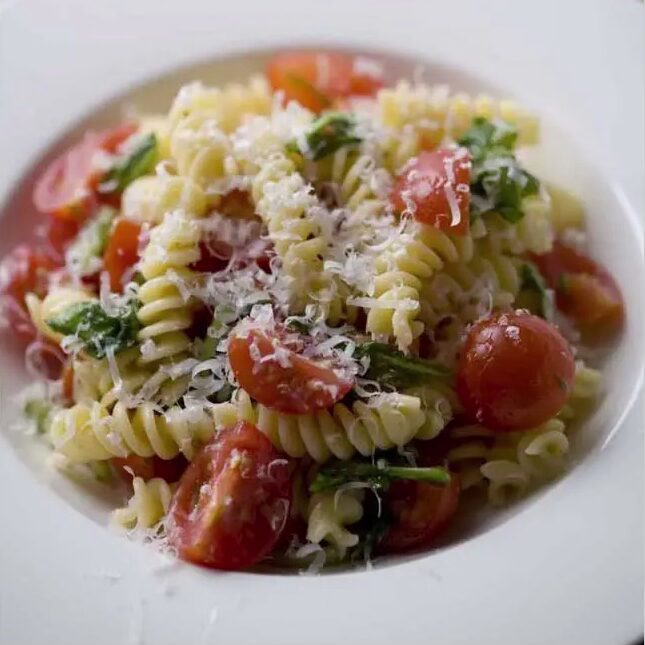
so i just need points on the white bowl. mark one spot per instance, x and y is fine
(563, 567)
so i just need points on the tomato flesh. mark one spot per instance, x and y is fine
(584, 289)
(420, 513)
(232, 502)
(428, 183)
(316, 78)
(60, 233)
(515, 372)
(25, 270)
(280, 378)
(121, 252)
(150, 467)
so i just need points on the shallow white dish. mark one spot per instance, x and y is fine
(564, 567)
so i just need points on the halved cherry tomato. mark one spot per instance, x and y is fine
(25, 270)
(268, 365)
(122, 251)
(420, 512)
(584, 289)
(515, 372)
(316, 78)
(232, 502)
(429, 182)
(66, 189)
(150, 467)
(60, 233)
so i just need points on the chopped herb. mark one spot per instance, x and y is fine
(533, 281)
(378, 476)
(327, 134)
(390, 367)
(96, 329)
(498, 182)
(39, 410)
(132, 166)
(85, 252)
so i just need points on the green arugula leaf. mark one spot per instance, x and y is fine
(90, 243)
(390, 367)
(498, 182)
(139, 162)
(327, 134)
(39, 410)
(378, 476)
(534, 283)
(96, 329)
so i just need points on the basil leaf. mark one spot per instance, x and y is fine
(390, 367)
(84, 253)
(139, 162)
(498, 181)
(96, 329)
(328, 134)
(534, 283)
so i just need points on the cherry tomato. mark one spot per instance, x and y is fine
(150, 467)
(584, 289)
(429, 181)
(420, 512)
(268, 365)
(122, 251)
(232, 502)
(515, 372)
(316, 79)
(66, 189)
(24, 270)
(67, 382)
(60, 233)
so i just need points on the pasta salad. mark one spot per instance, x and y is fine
(301, 317)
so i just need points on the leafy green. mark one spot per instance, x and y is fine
(96, 329)
(390, 367)
(533, 282)
(132, 166)
(91, 241)
(39, 410)
(327, 134)
(378, 476)
(498, 181)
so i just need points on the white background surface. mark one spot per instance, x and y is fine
(568, 569)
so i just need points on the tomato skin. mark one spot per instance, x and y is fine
(111, 140)
(67, 382)
(232, 502)
(295, 384)
(60, 233)
(316, 78)
(122, 251)
(584, 289)
(150, 467)
(421, 512)
(515, 372)
(25, 270)
(423, 182)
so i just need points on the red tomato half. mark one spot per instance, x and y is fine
(420, 511)
(24, 270)
(66, 189)
(60, 233)
(122, 251)
(150, 467)
(274, 373)
(232, 502)
(584, 289)
(515, 372)
(316, 79)
(429, 182)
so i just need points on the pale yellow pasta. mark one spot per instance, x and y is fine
(147, 506)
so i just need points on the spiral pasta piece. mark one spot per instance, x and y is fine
(147, 507)
(388, 420)
(225, 106)
(85, 433)
(507, 481)
(432, 114)
(587, 382)
(469, 450)
(541, 452)
(149, 198)
(329, 515)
